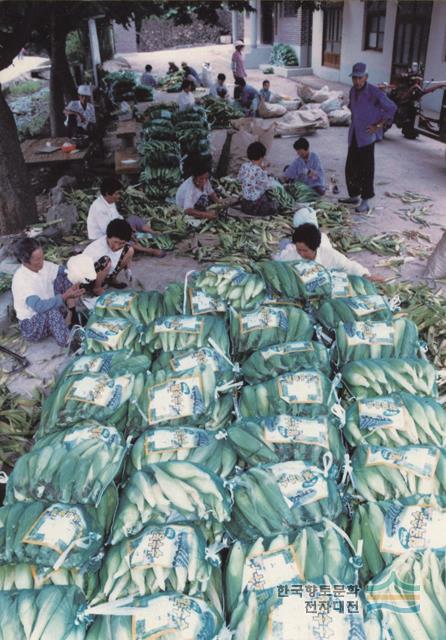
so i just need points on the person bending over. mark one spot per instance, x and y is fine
(219, 88)
(306, 168)
(44, 296)
(196, 193)
(307, 246)
(103, 210)
(111, 254)
(256, 182)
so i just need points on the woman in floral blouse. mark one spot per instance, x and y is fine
(255, 183)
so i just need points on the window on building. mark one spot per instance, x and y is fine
(375, 20)
(332, 35)
(290, 9)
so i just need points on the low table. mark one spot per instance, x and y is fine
(37, 152)
(127, 161)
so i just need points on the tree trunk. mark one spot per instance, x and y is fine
(17, 202)
(57, 75)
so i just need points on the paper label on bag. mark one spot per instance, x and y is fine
(107, 435)
(144, 235)
(340, 284)
(271, 569)
(204, 356)
(365, 305)
(178, 325)
(412, 528)
(299, 346)
(174, 399)
(119, 300)
(263, 318)
(108, 332)
(312, 274)
(299, 483)
(296, 430)
(102, 390)
(201, 303)
(382, 413)
(421, 461)
(91, 364)
(166, 547)
(57, 527)
(177, 615)
(304, 387)
(175, 439)
(369, 333)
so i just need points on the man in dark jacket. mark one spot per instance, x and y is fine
(371, 109)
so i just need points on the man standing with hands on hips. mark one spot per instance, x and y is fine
(371, 109)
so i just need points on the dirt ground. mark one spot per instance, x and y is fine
(401, 165)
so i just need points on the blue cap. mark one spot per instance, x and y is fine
(359, 70)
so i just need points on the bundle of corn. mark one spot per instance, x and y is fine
(386, 526)
(383, 473)
(310, 554)
(396, 420)
(171, 82)
(283, 437)
(221, 112)
(192, 129)
(169, 488)
(72, 466)
(19, 417)
(278, 498)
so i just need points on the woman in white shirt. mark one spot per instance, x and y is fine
(196, 193)
(307, 245)
(44, 297)
(255, 183)
(186, 99)
(81, 114)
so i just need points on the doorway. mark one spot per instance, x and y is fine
(411, 35)
(332, 35)
(267, 21)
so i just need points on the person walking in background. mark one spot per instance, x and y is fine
(147, 79)
(371, 109)
(237, 63)
(306, 168)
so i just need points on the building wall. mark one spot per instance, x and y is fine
(380, 63)
(124, 39)
(436, 54)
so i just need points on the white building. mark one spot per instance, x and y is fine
(387, 35)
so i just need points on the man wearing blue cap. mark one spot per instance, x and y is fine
(371, 109)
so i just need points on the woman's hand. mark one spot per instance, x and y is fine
(73, 292)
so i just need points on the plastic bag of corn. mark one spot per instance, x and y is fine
(109, 333)
(382, 473)
(396, 420)
(72, 466)
(381, 377)
(170, 490)
(140, 306)
(56, 535)
(306, 393)
(50, 612)
(284, 437)
(371, 339)
(282, 358)
(183, 443)
(266, 326)
(172, 615)
(277, 498)
(178, 333)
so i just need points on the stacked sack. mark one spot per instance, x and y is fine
(248, 493)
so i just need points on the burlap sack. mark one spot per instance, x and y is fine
(270, 110)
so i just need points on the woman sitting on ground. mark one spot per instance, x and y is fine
(196, 194)
(44, 296)
(307, 245)
(256, 182)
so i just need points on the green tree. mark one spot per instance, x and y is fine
(47, 24)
